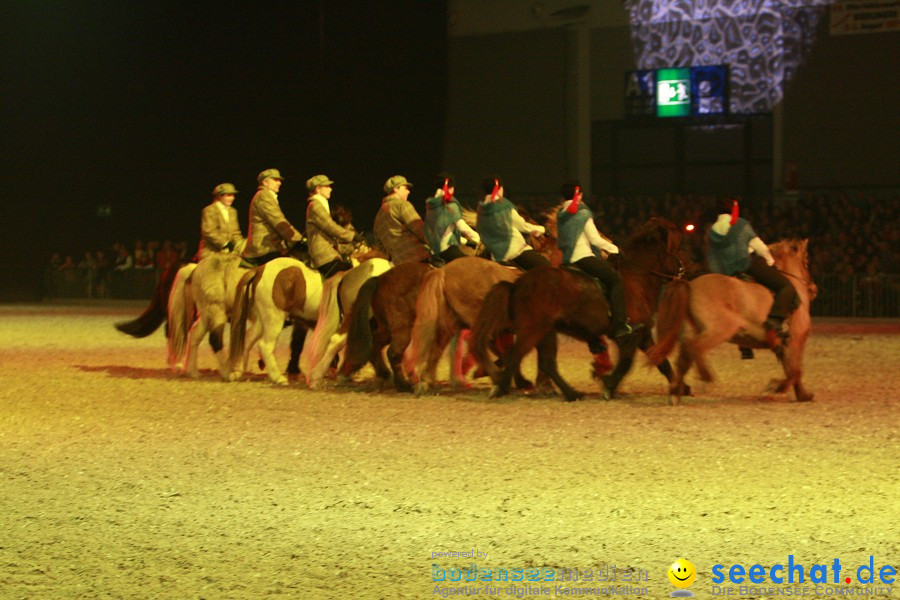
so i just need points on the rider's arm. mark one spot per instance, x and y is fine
(268, 208)
(467, 232)
(524, 226)
(760, 248)
(321, 219)
(597, 240)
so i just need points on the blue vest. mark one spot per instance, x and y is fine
(494, 224)
(438, 217)
(728, 254)
(569, 228)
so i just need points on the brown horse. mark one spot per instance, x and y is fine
(548, 300)
(449, 301)
(712, 309)
(383, 315)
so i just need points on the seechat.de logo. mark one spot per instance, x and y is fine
(794, 572)
(682, 574)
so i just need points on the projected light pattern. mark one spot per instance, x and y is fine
(762, 41)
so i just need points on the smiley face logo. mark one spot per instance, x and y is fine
(682, 573)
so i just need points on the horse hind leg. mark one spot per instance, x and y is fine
(547, 349)
(665, 367)
(682, 365)
(271, 328)
(195, 336)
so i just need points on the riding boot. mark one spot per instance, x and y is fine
(776, 334)
(618, 318)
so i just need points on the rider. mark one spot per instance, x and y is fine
(501, 227)
(322, 232)
(399, 230)
(733, 248)
(444, 225)
(219, 227)
(578, 238)
(270, 232)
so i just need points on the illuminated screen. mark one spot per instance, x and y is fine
(673, 92)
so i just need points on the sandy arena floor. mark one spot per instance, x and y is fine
(121, 481)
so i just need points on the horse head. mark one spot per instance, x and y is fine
(792, 258)
(655, 246)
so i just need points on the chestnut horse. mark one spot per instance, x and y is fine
(449, 301)
(712, 309)
(383, 315)
(547, 300)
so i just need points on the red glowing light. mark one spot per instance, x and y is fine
(689, 227)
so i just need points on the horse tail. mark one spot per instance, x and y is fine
(243, 302)
(673, 311)
(430, 312)
(492, 318)
(359, 336)
(155, 314)
(328, 321)
(181, 314)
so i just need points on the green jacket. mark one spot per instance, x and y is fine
(323, 233)
(269, 229)
(399, 231)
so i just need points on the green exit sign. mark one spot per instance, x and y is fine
(673, 92)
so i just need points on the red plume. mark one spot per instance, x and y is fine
(495, 193)
(447, 197)
(735, 211)
(573, 206)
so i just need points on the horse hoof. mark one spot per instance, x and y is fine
(496, 392)
(292, 370)
(573, 397)
(686, 391)
(235, 376)
(421, 388)
(280, 381)
(674, 400)
(805, 397)
(606, 395)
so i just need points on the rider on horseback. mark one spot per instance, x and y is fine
(578, 239)
(734, 248)
(270, 231)
(399, 230)
(444, 224)
(219, 227)
(322, 232)
(501, 227)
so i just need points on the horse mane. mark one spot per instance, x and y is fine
(656, 229)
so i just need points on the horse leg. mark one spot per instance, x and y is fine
(298, 336)
(791, 361)
(428, 375)
(195, 336)
(665, 367)
(457, 352)
(682, 364)
(216, 336)
(512, 360)
(627, 348)
(271, 328)
(547, 349)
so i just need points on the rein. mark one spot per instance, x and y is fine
(678, 275)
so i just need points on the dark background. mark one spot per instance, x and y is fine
(145, 107)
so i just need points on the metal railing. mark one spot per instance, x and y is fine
(857, 296)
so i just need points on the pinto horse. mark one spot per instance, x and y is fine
(547, 300)
(330, 334)
(712, 309)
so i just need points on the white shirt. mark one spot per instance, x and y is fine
(590, 237)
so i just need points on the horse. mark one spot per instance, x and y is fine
(449, 301)
(330, 333)
(547, 300)
(703, 313)
(268, 295)
(383, 315)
